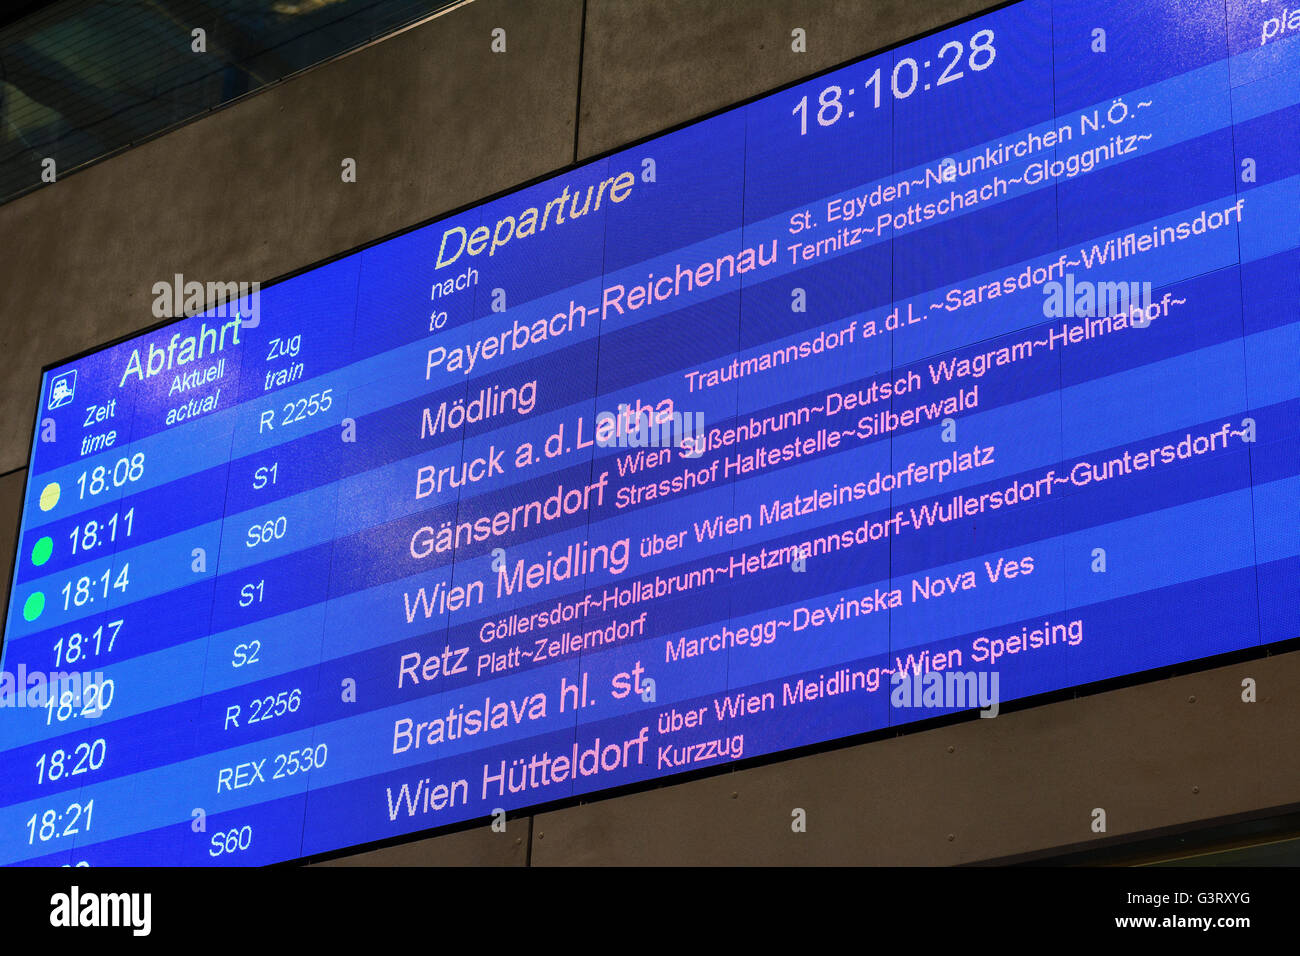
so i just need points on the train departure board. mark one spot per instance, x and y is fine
(964, 373)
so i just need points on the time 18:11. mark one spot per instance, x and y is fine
(94, 533)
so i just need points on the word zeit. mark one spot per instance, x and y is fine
(74, 909)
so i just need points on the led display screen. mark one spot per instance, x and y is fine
(963, 373)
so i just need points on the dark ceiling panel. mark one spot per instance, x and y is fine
(82, 79)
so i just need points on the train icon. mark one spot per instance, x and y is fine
(62, 389)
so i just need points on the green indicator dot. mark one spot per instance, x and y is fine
(42, 550)
(34, 605)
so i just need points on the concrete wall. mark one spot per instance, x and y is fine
(435, 120)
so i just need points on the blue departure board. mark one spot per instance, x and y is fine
(966, 372)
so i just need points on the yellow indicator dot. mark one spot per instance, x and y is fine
(50, 496)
